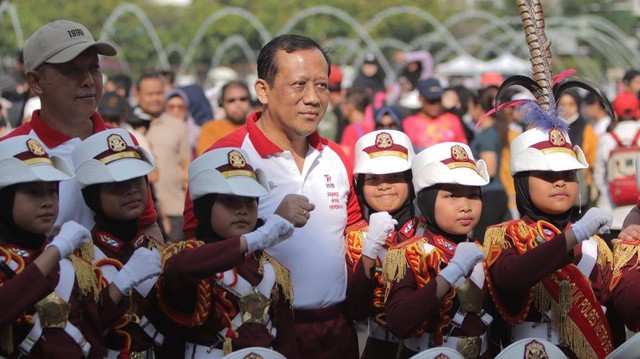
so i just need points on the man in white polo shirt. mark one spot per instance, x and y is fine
(283, 141)
(63, 69)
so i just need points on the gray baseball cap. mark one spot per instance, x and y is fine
(59, 42)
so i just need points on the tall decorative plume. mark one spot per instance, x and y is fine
(542, 112)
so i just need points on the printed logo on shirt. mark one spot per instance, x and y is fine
(271, 185)
(329, 184)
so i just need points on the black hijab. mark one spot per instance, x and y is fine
(427, 205)
(125, 231)
(527, 208)
(9, 230)
(402, 215)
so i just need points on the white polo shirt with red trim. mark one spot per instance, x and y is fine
(315, 254)
(71, 202)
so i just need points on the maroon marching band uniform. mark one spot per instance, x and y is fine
(365, 296)
(133, 334)
(23, 286)
(624, 284)
(523, 257)
(413, 310)
(198, 275)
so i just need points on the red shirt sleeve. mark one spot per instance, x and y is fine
(354, 212)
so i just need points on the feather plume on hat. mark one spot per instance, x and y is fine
(542, 112)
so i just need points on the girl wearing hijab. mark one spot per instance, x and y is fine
(383, 185)
(435, 280)
(222, 289)
(548, 277)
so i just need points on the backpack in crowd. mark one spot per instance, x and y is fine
(621, 171)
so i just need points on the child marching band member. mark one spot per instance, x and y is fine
(549, 278)
(224, 291)
(624, 283)
(435, 280)
(111, 171)
(383, 185)
(53, 303)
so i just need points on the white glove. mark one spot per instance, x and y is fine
(464, 259)
(143, 264)
(275, 230)
(70, 237)
(595, 221)
(380, 225)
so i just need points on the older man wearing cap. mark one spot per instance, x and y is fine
(432, 124)
(63, 69)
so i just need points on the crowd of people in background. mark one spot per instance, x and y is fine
(297, 137)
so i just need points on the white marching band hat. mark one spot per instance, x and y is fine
(24, 159)
(539, 150)
(448, 162)
(531, 348)
(382, 152)
(110, 156)
(226, 171)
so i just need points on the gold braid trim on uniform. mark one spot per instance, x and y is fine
(283, 275)
(623, 252)
(154, 243)
(495, 242)
(395, 262)
(88, 282)
(354, 238)
(569, 332)
(605, 256)
(204, 290)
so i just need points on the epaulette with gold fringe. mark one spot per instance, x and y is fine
(283, 275)
(623, 253)
(204, 294)
(512, 234)
(605, 256)
(87, 274)
(411, 254)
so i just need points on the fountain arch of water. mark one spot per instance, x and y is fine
(414, 11)
(216, 16)
(234, 40)
(349, 20)
(15, 21)
(125, 8)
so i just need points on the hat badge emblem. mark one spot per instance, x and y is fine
(458, 153)
(535, 350)
(116, 143)
(35, 148)
(236, 159)
(384, 140)
(556, 137)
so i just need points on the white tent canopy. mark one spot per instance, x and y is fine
(464, 65)
(509, 64)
